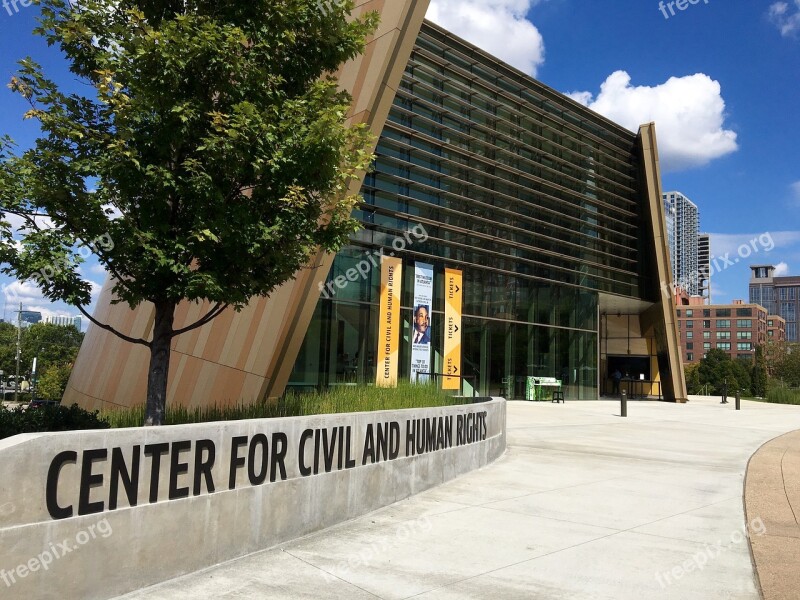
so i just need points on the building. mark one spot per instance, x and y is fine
(64, 321)
(543, 217)
(29, 317)
(683, 220)
(704, 265)
(776, 329)
(779, 295)
(735, 328)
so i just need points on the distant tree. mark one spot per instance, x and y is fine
(50, 344)
(759, 373)
(718, 369)
(774, 354)
(788, 369)
(8, 348)
(53, 382)
(207, 161)
(693, 384)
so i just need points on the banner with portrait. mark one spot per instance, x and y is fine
(421, 326)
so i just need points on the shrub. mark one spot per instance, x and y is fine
(782, 395)
(48, 418)
(345, 399)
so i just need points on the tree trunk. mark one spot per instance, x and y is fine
(159, 363)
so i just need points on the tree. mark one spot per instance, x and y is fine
(8, 348)
(693, 385)
(211, 161)
(718, 369)
(50, 344)
(774, 353)
(788, 369)
(53, 382)
(759, 373)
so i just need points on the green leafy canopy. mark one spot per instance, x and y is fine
(210, 160)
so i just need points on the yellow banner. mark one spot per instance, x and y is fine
(452, 328)
(389, 322)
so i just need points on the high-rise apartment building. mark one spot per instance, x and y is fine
(683, 230)
(64, 320)
(704, 265)
(779, 295)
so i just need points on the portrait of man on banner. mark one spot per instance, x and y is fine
(422, 322)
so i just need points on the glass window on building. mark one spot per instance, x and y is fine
(744, 312)
(723, 335)
(745, 323)
(706, 345)
(723, 346)
(744, 346)
(689, 312)
(689, 324)
(689, 356)
(744, 335)
(723, 324)
(723, 312)
(706, 335)
(707, 324)
(689, 335)
(706, 312)
(690, 346)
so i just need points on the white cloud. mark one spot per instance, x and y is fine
(781, 269)
(786, 17)
(751, 247)
(499, 27)
(689, 113)
(31, 297)
(796, 192)
(717, 293)
(98, 269)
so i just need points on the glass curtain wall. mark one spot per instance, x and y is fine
(533, 197)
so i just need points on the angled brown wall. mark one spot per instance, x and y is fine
(246, 355)
(660, 320)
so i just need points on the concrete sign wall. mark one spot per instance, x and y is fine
(95, 514)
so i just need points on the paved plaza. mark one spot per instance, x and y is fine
(584, 504)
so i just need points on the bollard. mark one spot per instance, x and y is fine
(623, 400)
(738, 400)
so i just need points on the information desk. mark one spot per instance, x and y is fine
(635, 388)
(541, 388)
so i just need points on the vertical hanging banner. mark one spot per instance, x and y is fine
(452, 328)
(421, 332)
(389, 322)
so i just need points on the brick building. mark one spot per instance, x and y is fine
(735, 328)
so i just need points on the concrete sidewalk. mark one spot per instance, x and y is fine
(584, 504)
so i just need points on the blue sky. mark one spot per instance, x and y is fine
(721, 80)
